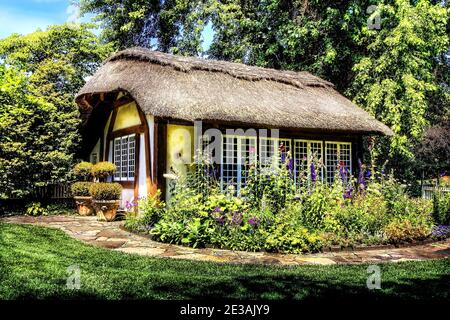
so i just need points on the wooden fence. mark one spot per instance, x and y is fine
(429, 190)
(52, 191)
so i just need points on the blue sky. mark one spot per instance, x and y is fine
(25, 16)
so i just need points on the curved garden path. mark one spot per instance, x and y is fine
(110, 235)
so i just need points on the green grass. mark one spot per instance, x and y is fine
(34, 261)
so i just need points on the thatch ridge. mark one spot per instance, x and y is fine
(237, 70)
(190, 89)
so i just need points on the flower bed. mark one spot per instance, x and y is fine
(277, 214)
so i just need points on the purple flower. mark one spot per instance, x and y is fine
(236, 219)
(440, 231)
(283, 157)
(361, 180)
(343, 171)
(128, 205)
(220, 220)
(254, 221)
(313, 173)
(291, 165)
(368, 174)
(348, 193)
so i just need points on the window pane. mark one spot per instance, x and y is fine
(247, 158)
(331, 160)
(229, 162)
(345, 157)
(338, 154)
(131, 156)
(117, 157)
(124, 163)
(304, 152)
(272, 150)
(300, 161)
(315, 152)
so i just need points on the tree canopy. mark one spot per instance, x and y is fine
(39, 119)
(399, 72)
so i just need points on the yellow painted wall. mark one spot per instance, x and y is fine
(127, 116)
(180, 146)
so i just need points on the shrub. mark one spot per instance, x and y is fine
(402, 229)
(441, 208)
(35, 209)
(83, 170)
(151, 209)
(269, 187)
(315, 206)
(81, 189)
(274, 214)
(104, 169)
(105, 191)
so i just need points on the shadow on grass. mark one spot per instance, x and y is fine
(34, 263)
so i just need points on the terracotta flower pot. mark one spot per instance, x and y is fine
(106, 209)
(84, 206)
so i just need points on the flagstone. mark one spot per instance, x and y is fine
(111, 235)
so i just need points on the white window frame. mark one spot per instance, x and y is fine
(308, 157)
(338, 154)
(275, 151)
(131, 162)
(239, 160)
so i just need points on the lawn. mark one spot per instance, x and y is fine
(34, 261)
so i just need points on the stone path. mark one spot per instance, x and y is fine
(110, 235)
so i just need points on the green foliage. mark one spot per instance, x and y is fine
(81, 189)
(307, 218)
(104, 169)
(269, 188)
(38, 116)
(150, 210)
(441, 208)
(105, 191)
(83, 170)
(35, 209)
(396, 78)
(399, 73)
(27, 159)
(401, 230)
(287, 233)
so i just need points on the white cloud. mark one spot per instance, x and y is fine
(74, 13)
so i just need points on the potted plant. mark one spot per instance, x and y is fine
(102, 170)
(83, 199)
(83, 171)
(105, 197)
(80, 190)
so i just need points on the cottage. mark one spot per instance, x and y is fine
(143, 109)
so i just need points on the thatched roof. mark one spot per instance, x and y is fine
(192, 89)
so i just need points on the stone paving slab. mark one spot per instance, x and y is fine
(111, 235)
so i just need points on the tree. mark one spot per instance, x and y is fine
(311, 35)
(28, 156)
(54, 65)
(395, 79)
(399, 73)
(433, 150)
